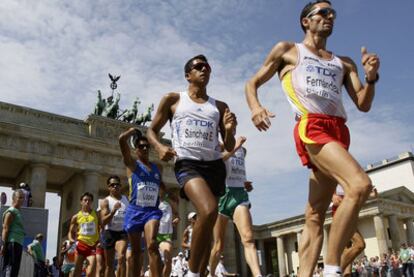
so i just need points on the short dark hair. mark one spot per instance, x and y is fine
(189, 63)
(90, 195)
(112, 177)
(16, 193)
(307, 9)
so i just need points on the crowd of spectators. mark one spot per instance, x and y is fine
(395, 263)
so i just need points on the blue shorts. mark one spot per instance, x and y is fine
(136, 217)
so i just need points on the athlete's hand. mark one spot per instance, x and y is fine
(175, 220)
(248, 186)
(336, 200)
(117, 205)
(3, 250)
(371, 63)
(261, 118)
(229, 120)
(240, 140)
(166, 153)
(374, 193)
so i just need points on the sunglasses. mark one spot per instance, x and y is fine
(200, 66)
(115, 185)
(325, 12)
(143, 146)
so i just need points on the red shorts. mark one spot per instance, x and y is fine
(99, 251)
(319, 129)
(85, 250)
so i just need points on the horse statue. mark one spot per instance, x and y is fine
(112, 107)
(145, 117)
(100, 104)
(131, 114)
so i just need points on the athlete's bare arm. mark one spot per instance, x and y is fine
(228, 123)
(73, 228)
(239, 142)
(281, 59)
(126, 151)
(165, 112)
(174, 208)
(106, 215)
(361, 95)
(184, 243)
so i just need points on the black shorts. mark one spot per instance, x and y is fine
(109, 238)
(213, 172)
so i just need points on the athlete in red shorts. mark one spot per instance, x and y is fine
(312, 78)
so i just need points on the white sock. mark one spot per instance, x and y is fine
(192, 274)
(332, 269)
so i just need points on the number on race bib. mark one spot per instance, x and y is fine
(88, 229)
(147, 194)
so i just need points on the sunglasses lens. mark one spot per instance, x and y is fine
(200, 66)
(142, 146)
(327, 11)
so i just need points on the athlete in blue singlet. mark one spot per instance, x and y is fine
(142, 214)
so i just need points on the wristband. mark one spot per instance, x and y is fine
(373, 81)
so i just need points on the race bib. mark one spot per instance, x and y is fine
(147, 194)
(88, 229)
(118, 219)
(199, 133)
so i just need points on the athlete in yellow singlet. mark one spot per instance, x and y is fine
(86, 224)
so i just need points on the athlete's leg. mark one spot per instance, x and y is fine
(120, 247)
(78, 265)
(335, 161)
(321, 189)
(91, 268)
(166, 249)
(205, 204)
(150, 232)
(356, 248)
(219, 233)
(100, 265)
(128, 263)
(243, 221)
(135, 241)
(205, 259)
(109, 262)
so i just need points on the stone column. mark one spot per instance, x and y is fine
(38, 182)
(91, 184)
(298, 236)
(381, 234)
(395, 234)
(261, 255)
(324, 251)
(410, 230)
(281, 256)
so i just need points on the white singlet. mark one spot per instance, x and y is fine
(195, 129)
(236, 171)
(117, 221)
(339, 190)
(166, 226)
(315, 84)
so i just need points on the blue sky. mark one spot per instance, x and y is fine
(56, 54)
